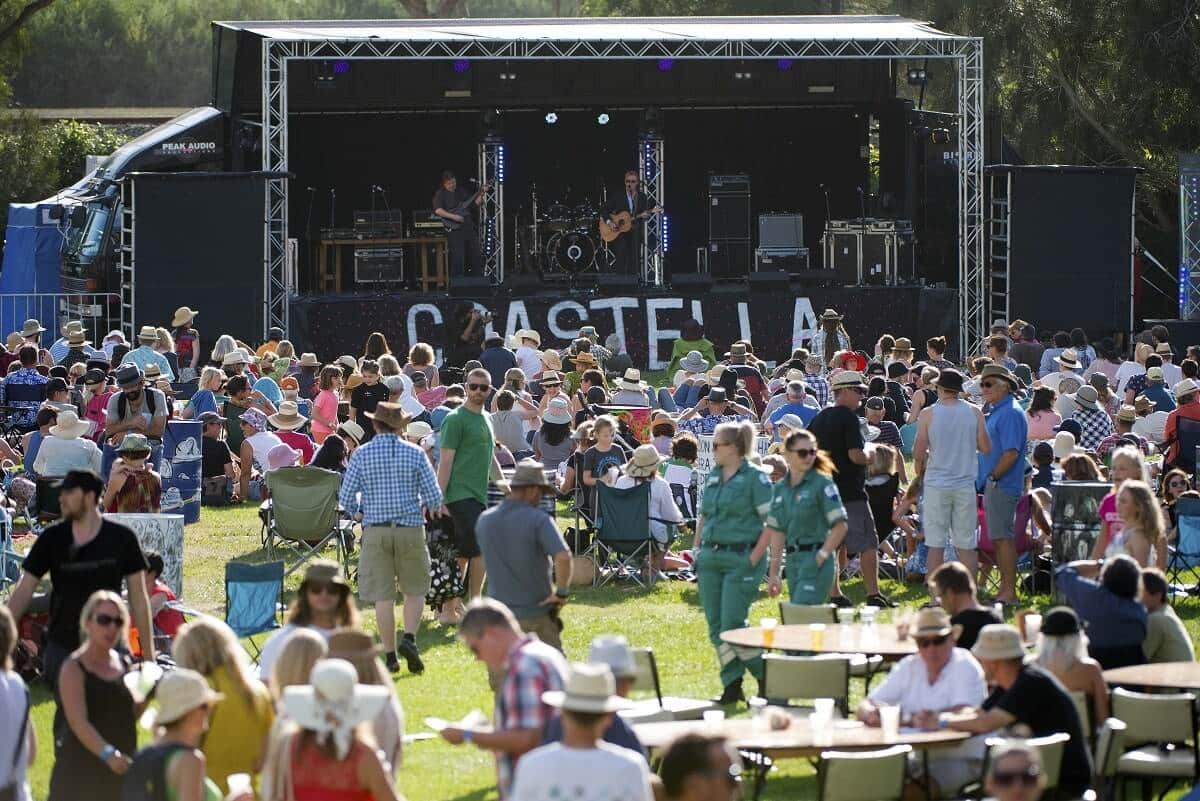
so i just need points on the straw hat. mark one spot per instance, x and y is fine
(148, 333)
(551, 379)
(334, 703)
(737, 350)
(903, 345)
(830, 314)
(234, 358)
(530, 473)
(632, 380)
(558, 411)
(1127, 413)
(529, 333)
(179, 692)
(847, 379)
(69, 426)
(288, 418)
(283, 455)
(1001, 372)
(1164, 349)
(32, 328)
(133, 443)
(613, 651)
(390, 414)
(76, 338)
(352, 429)
(644, 462)
(1069, 358)
(999, 641)
(153, 372)
(183, 316)
(551, 360)
(309, 360)
(694, 362)
(714, 375)
(71, 325)
(589, 688)
(934, 621)
(1085, 398)
(1187, 386)
(584, 360)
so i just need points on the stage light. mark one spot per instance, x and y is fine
(500, 164)
(940, 136)
(341, 67)
(551, 118)
(666, 232)
(665, 64)
(461, 65)
(918, 76)
(742, 76)
(602, 118)
(508, 76)
(784, 64)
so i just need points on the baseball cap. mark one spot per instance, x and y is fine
(210, 417)
(875, 403)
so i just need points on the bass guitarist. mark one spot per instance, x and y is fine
(461, 237)
(627, 247)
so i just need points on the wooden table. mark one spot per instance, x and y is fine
(1159, 675)
(852, 638)
(796, 741)
(327, 274)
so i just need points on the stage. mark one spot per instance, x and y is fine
(775, 321)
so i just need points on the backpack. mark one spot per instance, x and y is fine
(123, 403)
(146, 779)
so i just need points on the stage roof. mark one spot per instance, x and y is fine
(828, 28)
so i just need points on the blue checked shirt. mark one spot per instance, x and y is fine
(394, 480)
(1096, 425)
(820, 387)
(59, 350)
(26, 410)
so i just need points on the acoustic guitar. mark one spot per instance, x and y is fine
(621, 223)
(463, 209)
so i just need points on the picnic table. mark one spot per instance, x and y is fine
(838, 638)
(1159, 675)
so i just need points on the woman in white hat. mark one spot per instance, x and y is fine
(642, 468)
(184, 705)
(322, 754)
(552, 442)
(68, 447)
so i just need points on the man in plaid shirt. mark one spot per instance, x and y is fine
(531, 668)
(815, 381)
(387, 483)
(1094, 422)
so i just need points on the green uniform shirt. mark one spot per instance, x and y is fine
(470, 436)
(734, 510)
(806, 511)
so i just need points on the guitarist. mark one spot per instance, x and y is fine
(628, 246)
(463, 241)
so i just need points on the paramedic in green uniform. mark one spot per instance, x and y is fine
(737, 497)
(807, 522)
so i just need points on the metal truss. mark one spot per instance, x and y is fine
(972, 269)
(651, 171)
(128, 254)
(491, 211)
(966, 52)
(1189, 236)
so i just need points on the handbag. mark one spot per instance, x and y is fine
(9, 792)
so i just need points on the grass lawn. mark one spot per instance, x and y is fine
(667, 618)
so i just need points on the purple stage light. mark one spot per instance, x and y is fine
(784, 64)
(461, 65)
(665, 64)
(341, 67)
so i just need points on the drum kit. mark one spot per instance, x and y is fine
(562, 239)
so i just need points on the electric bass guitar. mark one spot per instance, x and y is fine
(622, 223)
(463, 209)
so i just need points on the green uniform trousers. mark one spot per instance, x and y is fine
(728, 585)
(808, 584)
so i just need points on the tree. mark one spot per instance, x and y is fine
(433, 8)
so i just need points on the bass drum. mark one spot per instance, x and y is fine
(573, 251)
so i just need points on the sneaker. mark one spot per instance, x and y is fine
(880, 600)
(732, 694)
(841, 601)
(412, 657)
(393, 664)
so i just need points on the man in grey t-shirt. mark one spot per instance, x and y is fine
(518, 541)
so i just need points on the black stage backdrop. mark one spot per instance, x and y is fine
(200, 241)
(774, 322)
(789, 154)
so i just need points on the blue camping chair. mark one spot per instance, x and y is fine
(252, 595)
(1184, 556)
(908, 437)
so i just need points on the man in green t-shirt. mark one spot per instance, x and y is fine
(468, 459)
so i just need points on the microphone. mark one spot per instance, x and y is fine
(311, 188)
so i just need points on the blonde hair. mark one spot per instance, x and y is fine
(77, 369)
(1128, 453)
(89, 611)
(1060, 653)
(285, 349)
(224, 345)
(604, 421)
(388, 365)
(165, 340)
(302, 649)
(421, 355)
(739, 435)
(883, 460)
(207, 376)
(1149, 518)
(206, 644)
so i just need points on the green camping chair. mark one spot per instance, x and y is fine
(622, 544)
(304, 515)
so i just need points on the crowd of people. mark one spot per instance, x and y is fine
(788, 476)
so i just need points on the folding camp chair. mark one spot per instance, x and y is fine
(304, 514)
(45, 508)
(1185, 554)
(655, 706)
(252, 596)
(622, 545)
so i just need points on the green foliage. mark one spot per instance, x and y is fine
(71, 142)
(37, 159)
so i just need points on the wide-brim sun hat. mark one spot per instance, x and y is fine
(998, 641)
(644, 462)
(333, 704)
(558, 412)
(694, 362)
(589, 688)
(183, 315)
(179, 692)
(288, 418)
(69, 426)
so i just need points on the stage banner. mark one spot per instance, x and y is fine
(647, 324)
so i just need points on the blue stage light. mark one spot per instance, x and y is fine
(341, 67)
(551, 118)
(665, 64)
(461, 65)
(784, 64)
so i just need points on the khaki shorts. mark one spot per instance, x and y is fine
(391, 557)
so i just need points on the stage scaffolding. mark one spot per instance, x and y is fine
(1189, 236)
(679, 39)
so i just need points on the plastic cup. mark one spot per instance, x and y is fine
(758, 712)
(713, 718)
(845, 615)
(817, 632)
(823, 708)
(902, 630)
(238, 783)
(868, 615)
(768, 625)
(1033, 626)
(889, 721)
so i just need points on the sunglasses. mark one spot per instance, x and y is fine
(1007, 778)
(109, 620)
(929, 642)
(479, 387)
(987, 384)
(325, 588)
(804, 453)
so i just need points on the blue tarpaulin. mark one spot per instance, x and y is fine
(31, 265)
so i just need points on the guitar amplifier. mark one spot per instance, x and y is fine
(787, 260)
(780, 231)
(729, 184)
(425, 223)
(729, 259)
(369, 224)
(378, 265)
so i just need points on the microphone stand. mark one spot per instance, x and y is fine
(862, 220)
